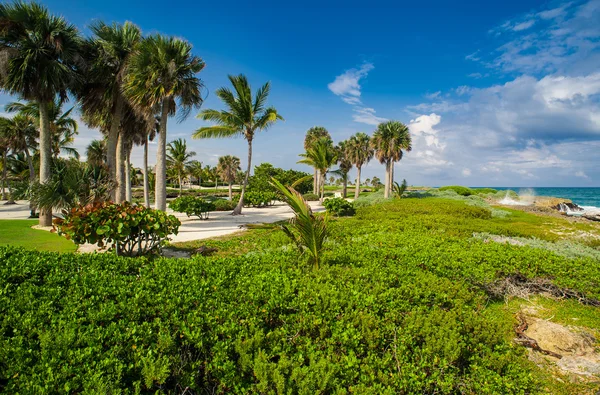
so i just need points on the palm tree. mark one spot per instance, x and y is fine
(312, 135)
(4, 148)
(345, 165)
(321, 155)
(178, 158)
(38, 52)
(96, 152)
(195, 170)
(227, 168)
(63, 127)
(360, 152)
(389, 141)
(162, 72)
(107, 53)
(243, 117)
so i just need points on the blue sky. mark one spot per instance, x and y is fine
(495, 93)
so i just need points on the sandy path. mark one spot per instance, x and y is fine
(220, 223)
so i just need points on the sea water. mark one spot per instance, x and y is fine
(587, 198)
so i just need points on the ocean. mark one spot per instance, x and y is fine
(581, 196)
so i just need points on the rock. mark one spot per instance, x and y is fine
(566, 207)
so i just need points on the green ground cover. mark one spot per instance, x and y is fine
(397, 307)
(20, 234)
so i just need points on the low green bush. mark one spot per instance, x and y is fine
(223, 205)
(484, 191)
(463, 191)
(310, 197)
(258, 199)
(339, 207)
(370, 199)
(192, 206)
(128, 229)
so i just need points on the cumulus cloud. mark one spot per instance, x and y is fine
(466, 172)
(367, 116)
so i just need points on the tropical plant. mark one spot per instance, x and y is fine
(165, 64)
(38, 59)
(313, 135)
(259, 198)
(344, 163)
(244, 116)
(376, 182)
(261, 179)
(178, 158)
(307, 230)
(399, 189)
(227, 168)
(129, 230)
(107, 54)
(72, 183)
(389, 141)
(360, 152)
(321, 155)
(196, 170)
(339, 207)
(191, 205)
(96, 153)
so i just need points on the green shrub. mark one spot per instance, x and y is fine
(190, 205)
(130, 230)
(339, 207)
(310, 197)
(463, 191)
(258, 199)
(370, 199)
(484, 191)
(223, 205)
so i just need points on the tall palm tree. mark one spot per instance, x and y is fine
(178, 158)
(63, 127)
(162, 72)
(312, 135)
(321, 155)
(96, 152)
(107, 53)
(38, 56)
(196, 170)
(244, 116)
(389, 141)
(227, 168)
(344, 163)
(4, 148)
(360, 152)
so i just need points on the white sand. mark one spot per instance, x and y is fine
(220, 223)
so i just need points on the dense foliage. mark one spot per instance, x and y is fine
(310, 197)
(192, 206)
(339, 207)
(263, 173)
(394, 308)
(223, 205)
(258, 198)
(128, 229)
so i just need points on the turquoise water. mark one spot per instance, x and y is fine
(580, 196)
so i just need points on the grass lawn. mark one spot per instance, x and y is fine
(17, 232)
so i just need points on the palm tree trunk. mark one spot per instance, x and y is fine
(345, 186)
(357, 188)
(322, 186)
(230, 191)
(238, 208)
(121, 154)
(391, 177)
(128, 194)
(216, 184)
(160, 192)
(318, 183)
(386, 190)
(145, 170)
(112, 141)
(45, 158)
(31, 179)
(4, 175)
(180, 186)
(315, 180)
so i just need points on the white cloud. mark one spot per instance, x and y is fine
(466, 172)
(366, 116)
(524, 25)
(581, 174)
(347, 85)
(433, 95)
